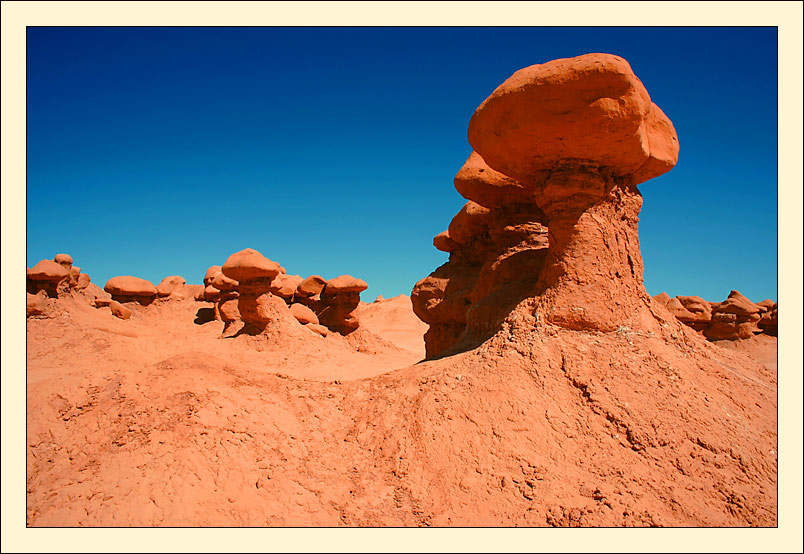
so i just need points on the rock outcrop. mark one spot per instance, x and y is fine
(57, 277)
(734, 318)
(252, 292)
(553, 204)
(339, 299)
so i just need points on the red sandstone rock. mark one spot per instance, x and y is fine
(343, 284)
(249, 265)
(319, 329)
(126, 288)
(663, 298)
(120, 311)
(469, 222)
(285, 285)
(64, 259)
(738, 304)
(36, 304)
(590, 107)
(47, 275)
(211, 273)
(477, 182)
(770, 321)
(766, 305)
(303, 314)
(577, 131)
(311, 286)
(210, 294)
(443, 242)
(169, 285)
(223, 283)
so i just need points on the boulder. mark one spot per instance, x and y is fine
(284, 285)
(64, 260)
(126, 288)
(303, 314)
(169, 285)
(118, 310)
(310, 286)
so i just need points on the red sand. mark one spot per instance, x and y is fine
(156, 421)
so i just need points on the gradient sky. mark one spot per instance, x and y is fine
(161, 151)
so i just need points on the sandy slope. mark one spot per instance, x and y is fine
(155, 421)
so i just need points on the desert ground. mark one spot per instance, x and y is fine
(529, 381)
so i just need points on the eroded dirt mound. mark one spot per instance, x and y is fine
(544, 427)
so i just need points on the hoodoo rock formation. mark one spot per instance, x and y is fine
(559, 150)
(734, 318)
(251, 292)
(52, 279)
(562, 393)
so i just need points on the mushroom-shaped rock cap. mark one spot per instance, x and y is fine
(126, 285)
(311, 286)
(737, 304)
(285, 285)
(64, 259)
(443, 242)
(211, 273)
(345, 283)
(48, 270)
(478, 182)
(223, 283)
(590, 107)
(471, 221)
(249, 264)
(169, 284)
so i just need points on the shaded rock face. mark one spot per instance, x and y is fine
(339, 299)
(553, 205)
(734, 318)
(36, 304)
(488, 273)
(57, 277)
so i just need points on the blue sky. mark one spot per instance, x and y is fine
(160, 151)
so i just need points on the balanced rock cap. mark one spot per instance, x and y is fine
(223, 283)
(64, 259)
(211, 273)
(443, 242)
(249, 264)
(737, 304)
(285, 285)
(311, 286)
(345, 283)
(169, 284)
(48, 270)
(126, 285)
(469, 222)
(590, 107)
(478, 182)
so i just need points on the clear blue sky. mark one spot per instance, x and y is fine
(160, 151)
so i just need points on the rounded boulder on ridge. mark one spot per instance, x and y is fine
(248, 265)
